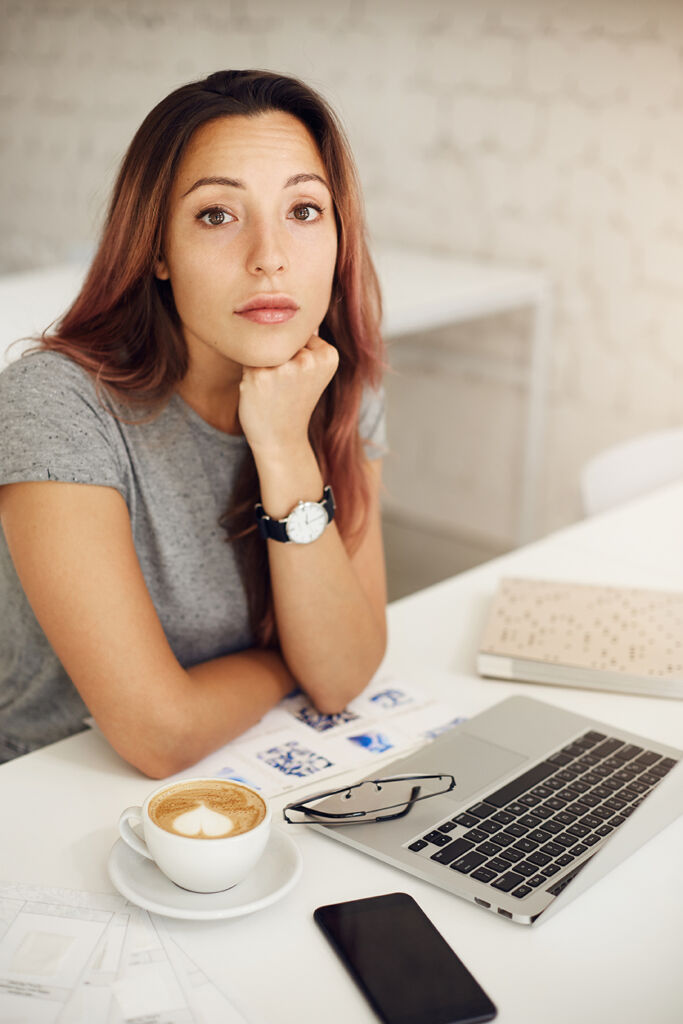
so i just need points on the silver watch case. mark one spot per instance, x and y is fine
(306, 522)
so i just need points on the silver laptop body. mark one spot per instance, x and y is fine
(486, 755)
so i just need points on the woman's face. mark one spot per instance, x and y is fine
(251, 215)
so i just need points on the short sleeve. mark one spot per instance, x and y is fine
(372, 422)
(52, 425)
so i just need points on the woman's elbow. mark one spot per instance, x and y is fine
(161, 748)
(333, 702)
(152, 761)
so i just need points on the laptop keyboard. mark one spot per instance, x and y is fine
(540, 823)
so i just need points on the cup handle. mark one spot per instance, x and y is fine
(131, 837)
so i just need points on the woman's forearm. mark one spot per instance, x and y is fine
(332, 634)
(208, 705)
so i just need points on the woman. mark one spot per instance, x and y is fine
(221, 364)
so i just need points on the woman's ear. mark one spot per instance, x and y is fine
(161, 270)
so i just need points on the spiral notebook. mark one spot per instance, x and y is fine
(574, 634)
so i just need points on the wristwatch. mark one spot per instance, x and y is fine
(304, 524)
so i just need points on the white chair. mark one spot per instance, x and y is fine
(630, 469)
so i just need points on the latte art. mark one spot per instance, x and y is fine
(211, 809)
(202, 819)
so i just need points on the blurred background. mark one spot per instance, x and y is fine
(533, 134)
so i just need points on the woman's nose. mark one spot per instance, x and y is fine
(267, 251)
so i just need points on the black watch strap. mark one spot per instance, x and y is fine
(276, 529)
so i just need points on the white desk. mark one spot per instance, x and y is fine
(421, 292)
(612, 955)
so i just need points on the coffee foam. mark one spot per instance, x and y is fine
(211, 809)
(202, 819)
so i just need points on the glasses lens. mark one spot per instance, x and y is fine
(369, 799)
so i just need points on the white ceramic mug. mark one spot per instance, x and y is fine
(199, 864)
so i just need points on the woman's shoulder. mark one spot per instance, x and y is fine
(53, 425)
(43, 369)
(47, 397)
(42, 379)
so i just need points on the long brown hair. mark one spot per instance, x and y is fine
(123, 326)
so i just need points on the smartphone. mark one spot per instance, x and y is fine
(401, 962)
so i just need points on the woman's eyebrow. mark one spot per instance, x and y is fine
(296, 179)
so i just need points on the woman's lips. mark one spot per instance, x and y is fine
(268, 314)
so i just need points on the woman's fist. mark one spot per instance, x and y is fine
(276, 402)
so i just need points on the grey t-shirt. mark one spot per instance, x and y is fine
(175, 473)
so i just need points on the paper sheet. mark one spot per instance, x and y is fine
(69, 957)
(294, 744)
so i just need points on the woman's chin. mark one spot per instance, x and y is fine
(272, 356)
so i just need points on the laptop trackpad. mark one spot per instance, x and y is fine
(475, 763)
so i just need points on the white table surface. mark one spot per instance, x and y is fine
(615, 954)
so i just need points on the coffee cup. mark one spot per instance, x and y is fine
(204, 834)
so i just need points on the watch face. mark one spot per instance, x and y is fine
(306, 522)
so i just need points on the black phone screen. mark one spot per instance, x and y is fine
(402, 963)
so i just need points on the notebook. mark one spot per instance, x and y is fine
(545, 803)
(574, 634)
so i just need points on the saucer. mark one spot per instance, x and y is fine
(141, 882)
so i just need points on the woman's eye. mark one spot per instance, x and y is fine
(307, 211)
(215, 217)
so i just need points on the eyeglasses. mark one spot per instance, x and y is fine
(368, 801)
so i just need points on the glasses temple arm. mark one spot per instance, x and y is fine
(414, 795)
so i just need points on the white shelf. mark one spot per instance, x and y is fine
(422, 291)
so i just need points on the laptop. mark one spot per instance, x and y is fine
(546, 802)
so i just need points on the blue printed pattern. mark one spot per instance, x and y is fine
(431, 734)
(390, 699)
(375, 742)
(234, 776)
(293, 759)
(321, 723)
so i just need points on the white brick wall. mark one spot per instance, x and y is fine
(514, 130)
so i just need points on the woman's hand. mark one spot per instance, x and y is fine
(276, 402)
